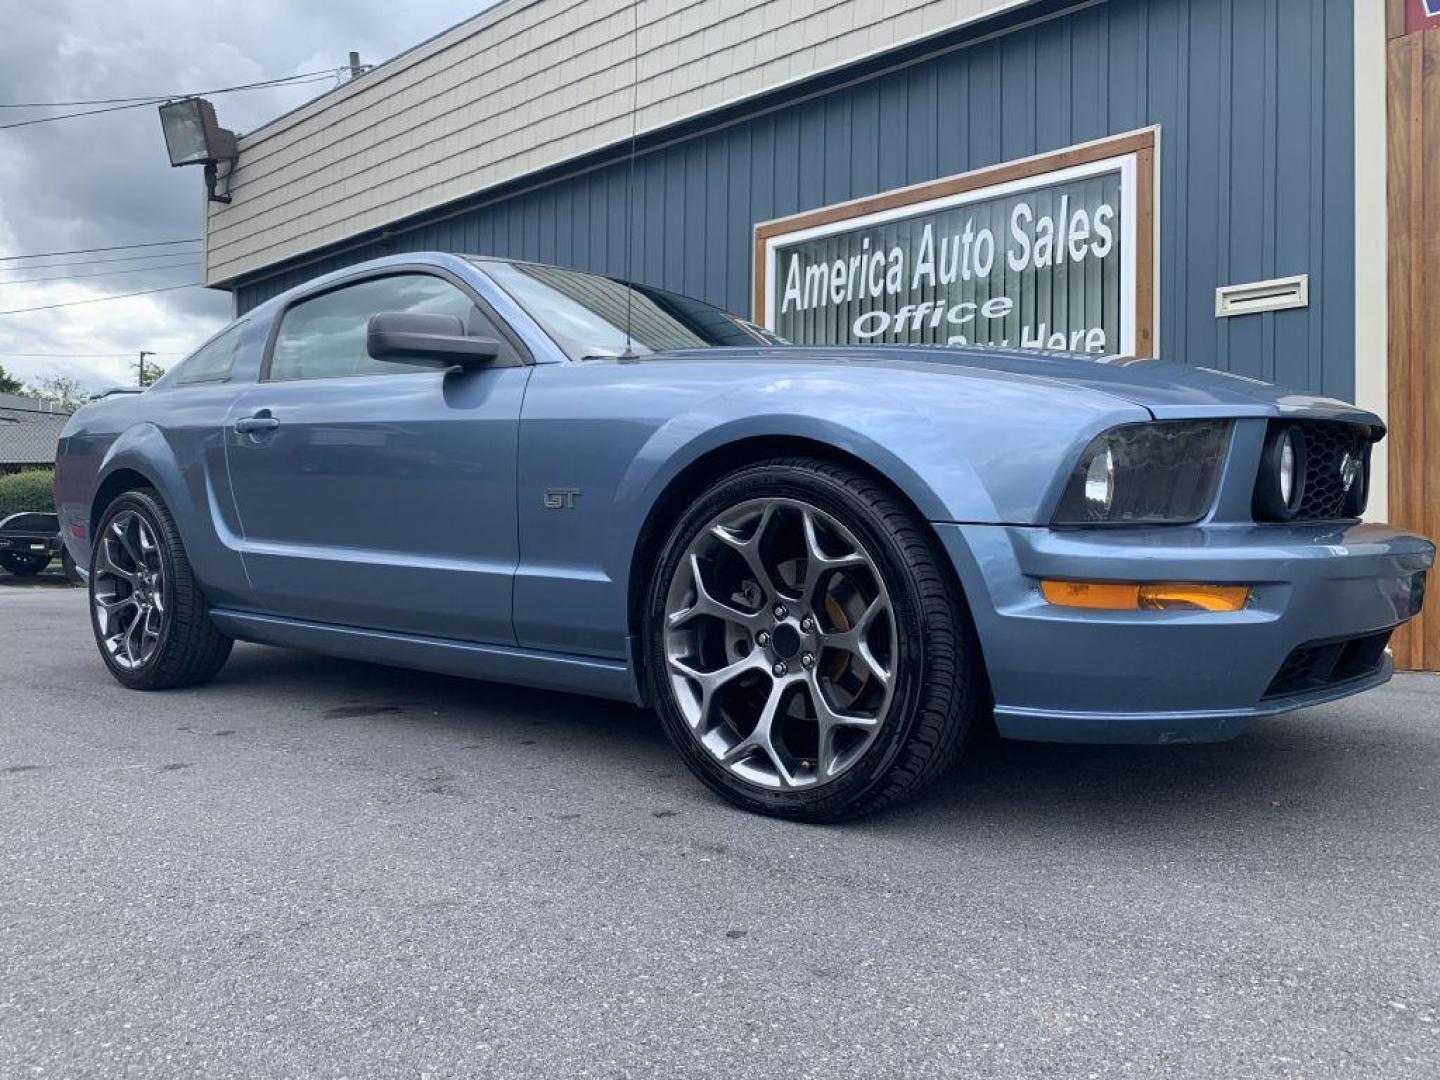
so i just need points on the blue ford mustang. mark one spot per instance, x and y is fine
(824, 567)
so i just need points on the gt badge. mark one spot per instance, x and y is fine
(561, 498)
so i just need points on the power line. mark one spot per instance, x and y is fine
(70, 116)
(100, 262)
(116, 247)
(143, 103)
(79, 355)
(277, 81)
(100, 299)
(186, 266)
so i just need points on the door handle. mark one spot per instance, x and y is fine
(250, 425)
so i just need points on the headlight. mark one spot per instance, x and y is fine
(1290, 467)
(1137, 474)
(1281, 483)
(1100, 483)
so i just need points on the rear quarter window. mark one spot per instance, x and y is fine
(212, 362)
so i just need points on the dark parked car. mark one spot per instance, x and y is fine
(824, 566)
(28, 543)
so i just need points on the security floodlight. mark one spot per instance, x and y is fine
(194, 137)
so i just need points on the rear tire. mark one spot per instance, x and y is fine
(807, 650)
(22, 565)
(151, 621)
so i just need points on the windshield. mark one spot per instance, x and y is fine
(587, 314)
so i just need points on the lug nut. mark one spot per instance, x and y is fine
(807, 624)
(779, 668)
(762, 638)
(808, 661)
(780, 611)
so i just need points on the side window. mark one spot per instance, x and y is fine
(212, 361)
(324, 337)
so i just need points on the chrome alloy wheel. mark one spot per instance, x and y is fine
(781, 643)
(129, 592)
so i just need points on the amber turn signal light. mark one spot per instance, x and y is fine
(1156, 596)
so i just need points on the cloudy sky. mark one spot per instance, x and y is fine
(104, 180)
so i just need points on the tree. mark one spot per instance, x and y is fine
(150, 374)
(8, 383)
(64, 393)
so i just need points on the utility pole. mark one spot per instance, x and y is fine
(143, 353)
(356, 67)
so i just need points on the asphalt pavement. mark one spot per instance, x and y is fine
(318, 868)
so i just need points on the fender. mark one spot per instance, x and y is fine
(938, 470)
(210, 544)
(661, 417)
(676, 447)
(142, 448)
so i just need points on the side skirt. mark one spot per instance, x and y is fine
(496, 663)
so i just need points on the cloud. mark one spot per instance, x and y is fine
(103, 180)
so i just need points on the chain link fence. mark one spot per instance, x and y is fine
(29, 430)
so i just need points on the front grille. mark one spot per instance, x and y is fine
(1327, 442)
(1320, 664)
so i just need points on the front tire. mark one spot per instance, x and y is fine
(808, 653)
(151, 621)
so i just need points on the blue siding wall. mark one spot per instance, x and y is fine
(1253, 99)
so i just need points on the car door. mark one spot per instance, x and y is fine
(372, 493)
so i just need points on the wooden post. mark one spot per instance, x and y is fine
(1413, 164)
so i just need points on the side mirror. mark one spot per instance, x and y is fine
(404, 337)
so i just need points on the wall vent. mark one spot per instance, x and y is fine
(1277, 294)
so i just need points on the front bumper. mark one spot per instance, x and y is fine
(1067, 674)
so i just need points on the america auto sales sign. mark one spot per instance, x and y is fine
(1054, 252)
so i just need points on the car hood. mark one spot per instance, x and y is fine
(1169, 390)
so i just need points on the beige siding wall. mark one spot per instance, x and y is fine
(527, 85)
